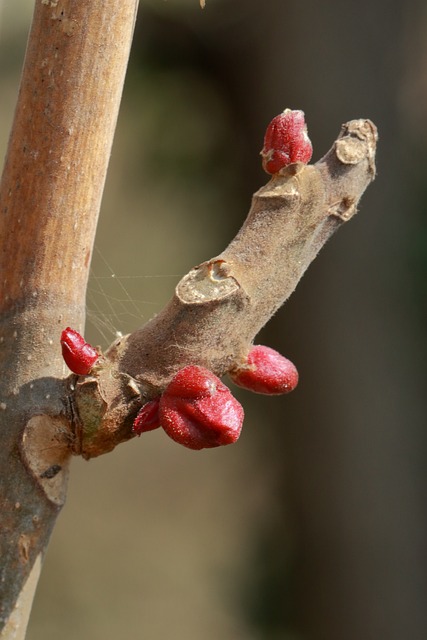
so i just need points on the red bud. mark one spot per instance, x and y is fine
(198, 411)
(147, 418)
(79, 355)
(286, 141)
(266, 371)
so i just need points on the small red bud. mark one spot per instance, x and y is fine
(198, 411)
(79, 355)
(266, 371)
(147, 418)
(286, 141)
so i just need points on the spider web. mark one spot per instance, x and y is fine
(113, 305)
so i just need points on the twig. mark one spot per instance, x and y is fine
(220, 305)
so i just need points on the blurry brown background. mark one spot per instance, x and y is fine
(313, 526)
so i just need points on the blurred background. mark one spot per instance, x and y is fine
(313, 526)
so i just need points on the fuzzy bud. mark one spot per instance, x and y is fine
(265, 371)
(147, 418)
(198, 411)
(286, 141)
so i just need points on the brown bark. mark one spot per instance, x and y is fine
(49, 201)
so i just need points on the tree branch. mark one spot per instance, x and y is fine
(50, 195)
(220, 305)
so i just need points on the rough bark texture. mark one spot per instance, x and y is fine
(49, 201)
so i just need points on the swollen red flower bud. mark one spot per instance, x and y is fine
(198, 410)
(79, 355)
(286, 141)
(147, 418)
(266, 371)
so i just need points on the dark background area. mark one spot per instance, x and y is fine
(313, 526)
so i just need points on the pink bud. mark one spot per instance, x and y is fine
(79, 355)
(198, 411)
(286, 141)
(147, 418)
(266, 371)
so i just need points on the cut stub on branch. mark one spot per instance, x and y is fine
(220, 305)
